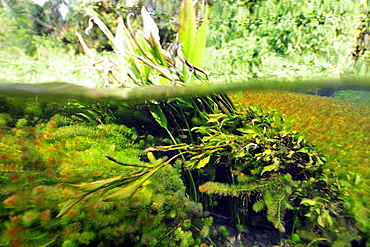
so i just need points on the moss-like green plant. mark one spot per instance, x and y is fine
(36, 163)
(353, 95)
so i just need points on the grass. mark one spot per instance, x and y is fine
(286, 40)
(49, 64)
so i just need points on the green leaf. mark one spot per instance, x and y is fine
(165, 72)
(120, 42)
(308, 202)
(295, 238)
(267, 152)
(200, 42)
(151, 31)
(203, 162)
(326, 216)
(248, 131)
(187, 27)
(130, 188)
(303, 150)
(190, 164)
(197, 156)
(215, 117)
(158, 114)
(151, 157)
(70, 203)
(85, 190)
(320, 221)
(269, 168)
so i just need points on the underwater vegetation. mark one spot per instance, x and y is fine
(353, 95)
(340, 130)
(86, 178)
(258, 170)
(37, 161)
(250, 167)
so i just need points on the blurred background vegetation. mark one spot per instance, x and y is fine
(247, 38)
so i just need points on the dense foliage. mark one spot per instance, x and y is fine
(246, 158)
(340, 129)
(38, 159)
(246, 166)
(353, 95)
(264, 171)
(285, 39)
(298, 39)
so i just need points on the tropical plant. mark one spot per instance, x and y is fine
(141, 58)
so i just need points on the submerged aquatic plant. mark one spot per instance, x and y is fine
(239, 156)
(256, 157)
(339, 129)
(38, 160)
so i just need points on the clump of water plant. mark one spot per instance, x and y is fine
(338, 129)
(259, 165)
(38, 161)
(353, 95)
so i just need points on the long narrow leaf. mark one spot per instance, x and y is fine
(89, 52)
(151, 31)
(187, 27)
(70, 203)
(200, 42)
(121, 44)
(129, 189)
(163, 70)
(107, 184)
(151, 34)
(102, 27)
